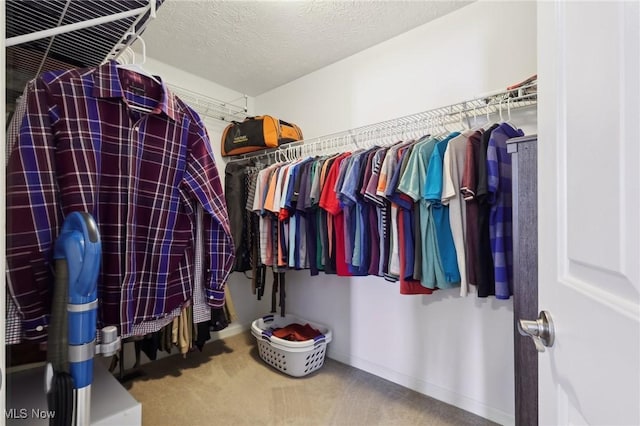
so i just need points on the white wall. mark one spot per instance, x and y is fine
(459, 350)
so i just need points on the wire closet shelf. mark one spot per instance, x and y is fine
(45, 36)
(462, 114)
(63, 34)
(213, 108)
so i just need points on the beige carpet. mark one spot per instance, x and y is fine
(228, 384)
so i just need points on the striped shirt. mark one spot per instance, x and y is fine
(500, 220)
(82, 147)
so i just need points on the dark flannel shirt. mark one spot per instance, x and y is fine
(82, 148)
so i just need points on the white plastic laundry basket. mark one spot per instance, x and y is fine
(296, 359)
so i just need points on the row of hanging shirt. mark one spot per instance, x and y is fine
(118, 145)
(433, 213)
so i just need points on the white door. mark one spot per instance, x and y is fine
(589, 214)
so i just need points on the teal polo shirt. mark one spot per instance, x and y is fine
(412, 183)
(439, 215)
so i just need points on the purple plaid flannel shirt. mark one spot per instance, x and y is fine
(82, 148)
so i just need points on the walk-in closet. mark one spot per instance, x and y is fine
(321, 213)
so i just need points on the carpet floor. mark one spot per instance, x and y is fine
(228, 384)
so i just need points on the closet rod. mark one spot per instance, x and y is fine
(36, 35)
(509, 99)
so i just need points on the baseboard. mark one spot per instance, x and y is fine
(426, 388)
(231, 330)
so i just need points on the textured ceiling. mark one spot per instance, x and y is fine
(255, 46)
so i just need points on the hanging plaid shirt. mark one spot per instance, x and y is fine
(82, 148)
(13, 329)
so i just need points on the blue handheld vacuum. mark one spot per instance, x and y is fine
(71, 343)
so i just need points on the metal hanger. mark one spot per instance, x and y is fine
(138, 69)
(509, 122)
(463, 126)
(443, 132)
(137, 66)
(489, 123)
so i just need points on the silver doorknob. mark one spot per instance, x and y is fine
(540, 330)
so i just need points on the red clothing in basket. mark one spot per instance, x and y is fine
(296, 332)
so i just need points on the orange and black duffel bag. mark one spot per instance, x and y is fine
(257, 133)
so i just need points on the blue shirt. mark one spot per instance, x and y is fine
(354, 227)
(440, 215)
(392, 192)
(346, 194)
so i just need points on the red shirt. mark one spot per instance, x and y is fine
(329, 201)
(407, 286)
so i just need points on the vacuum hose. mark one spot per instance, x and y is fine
(60, 391)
